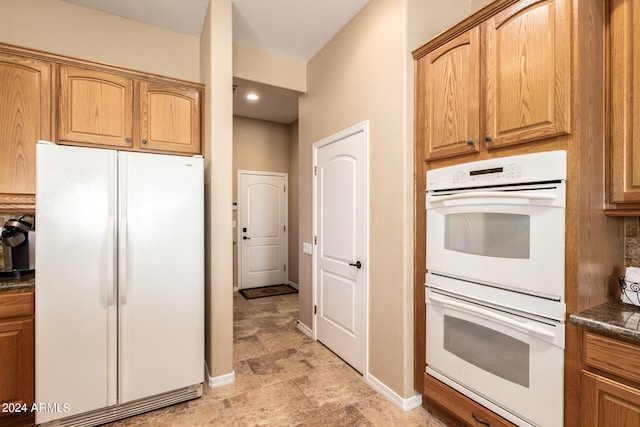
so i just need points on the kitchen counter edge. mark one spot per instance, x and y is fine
(12, 284)
(614, 318)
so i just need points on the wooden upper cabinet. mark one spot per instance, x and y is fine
(448, 94)
(169, 118)
(528, 72)
(109, 109)
(625, 102)
(505, 80)
(25, 117)
(96, 107)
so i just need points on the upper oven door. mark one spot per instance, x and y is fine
(509, 237)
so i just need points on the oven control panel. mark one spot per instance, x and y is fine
(488, 176)
(522, 169)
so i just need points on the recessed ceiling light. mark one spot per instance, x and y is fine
(252, 97)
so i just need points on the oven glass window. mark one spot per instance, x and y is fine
(488, 349)
(500, 235)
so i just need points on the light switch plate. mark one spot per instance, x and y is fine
(307, 248)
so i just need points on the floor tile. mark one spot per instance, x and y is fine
(281, 404)
(283, 378)
(333, 388)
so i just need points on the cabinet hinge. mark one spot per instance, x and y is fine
(285, 268)
(315, 240)
(315, 309)
(285, 228)
(315, 170)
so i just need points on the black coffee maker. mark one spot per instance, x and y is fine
(15, 239)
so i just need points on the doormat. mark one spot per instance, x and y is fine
(268, 291)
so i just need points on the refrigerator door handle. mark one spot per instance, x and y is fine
(111, 268)
(122, 262)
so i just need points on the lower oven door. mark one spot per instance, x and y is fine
(509, 363)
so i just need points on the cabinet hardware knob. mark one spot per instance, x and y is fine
(356, 264)
(487, 138)
(469, 142)
(144, 141)
(128, 139)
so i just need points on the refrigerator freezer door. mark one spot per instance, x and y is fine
(76, 352)
(161, 273)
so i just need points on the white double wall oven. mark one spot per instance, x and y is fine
(495, 283)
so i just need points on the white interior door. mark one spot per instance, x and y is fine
(341, 252)
(262, 230)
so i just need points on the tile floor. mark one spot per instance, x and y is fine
(283, 378)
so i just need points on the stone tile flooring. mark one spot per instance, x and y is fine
(283, 378)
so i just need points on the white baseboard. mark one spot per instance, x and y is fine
(293, 285)
(305, 329)
(219, 381)
(404, 404)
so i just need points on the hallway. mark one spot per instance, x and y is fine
(283, 378)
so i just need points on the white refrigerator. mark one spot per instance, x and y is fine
(120, 282)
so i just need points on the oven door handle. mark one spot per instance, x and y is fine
(493, 194)
(527, 327)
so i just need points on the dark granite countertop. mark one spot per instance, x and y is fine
(614, 318)
(12, 283)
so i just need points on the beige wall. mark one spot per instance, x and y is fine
(58, 27)
(366, 73)
(264, 146)
(295, 246)
(256, 66)
(479, 4)
(360, 76)
(216, 59)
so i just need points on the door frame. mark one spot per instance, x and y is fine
(239, 208)
(357, 128)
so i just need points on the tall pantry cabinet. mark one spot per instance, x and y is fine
(520, 77)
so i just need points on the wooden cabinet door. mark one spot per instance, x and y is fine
(528, 72)
(169, 118)
(448, 98)
(25, 117)
(96, 107)
(17, 361)
(606, 403)
(625, 102)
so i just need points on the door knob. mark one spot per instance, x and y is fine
(356, 264)
(246, 238)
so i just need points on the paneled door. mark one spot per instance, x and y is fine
(262, 231)
(340, 255)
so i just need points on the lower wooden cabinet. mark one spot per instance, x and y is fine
(17, 365)
(607, 403)
(458, 408)
(610, 382)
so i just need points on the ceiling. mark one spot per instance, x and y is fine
(294, 29)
